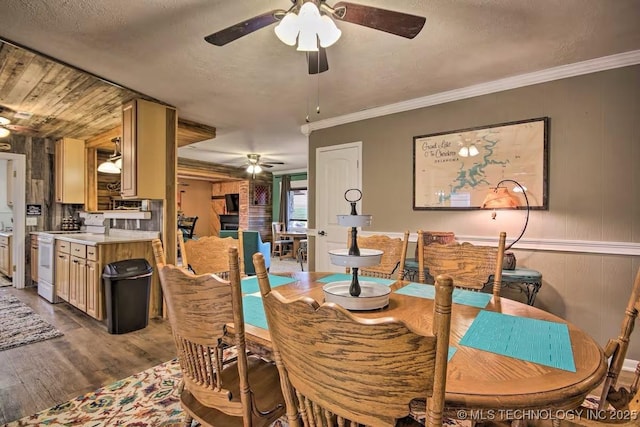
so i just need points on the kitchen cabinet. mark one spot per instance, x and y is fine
(78, 277)
(11, 175)
(69, 171)
(6, 267)
(147, 130)
(34, 258)
(62, 269)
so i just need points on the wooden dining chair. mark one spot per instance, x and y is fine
(393, 258)
(209, 254)
(471, 266)
(614, 402)
(280, 246)
(217, 390)
(335, 366)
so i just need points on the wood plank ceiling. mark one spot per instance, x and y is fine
(45, 98)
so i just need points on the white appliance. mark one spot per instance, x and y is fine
(46, 267)
(46, 264)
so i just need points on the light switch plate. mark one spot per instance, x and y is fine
(32, 220)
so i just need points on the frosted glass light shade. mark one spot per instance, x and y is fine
(118, 163)
(4, 121)
(287, 30)
(4, 132)
(108, 167)
(328, 33)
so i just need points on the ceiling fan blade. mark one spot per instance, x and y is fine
(316, 67)
(243, 28)
(398, 23)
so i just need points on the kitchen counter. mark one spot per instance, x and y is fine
(115, 236)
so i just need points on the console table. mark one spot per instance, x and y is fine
(527, 280)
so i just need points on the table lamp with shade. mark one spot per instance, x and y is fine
(500, 198)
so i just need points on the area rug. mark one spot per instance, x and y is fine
(20, 325)
(146, 399)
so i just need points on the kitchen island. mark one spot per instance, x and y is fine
(80, 259)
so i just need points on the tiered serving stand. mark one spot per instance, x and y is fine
(356, 295)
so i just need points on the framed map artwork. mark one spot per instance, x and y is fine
(455, 169)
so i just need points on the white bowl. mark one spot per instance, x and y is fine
(354, 220)
(372, 295)
(367, 257)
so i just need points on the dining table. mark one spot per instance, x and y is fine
(507, 360)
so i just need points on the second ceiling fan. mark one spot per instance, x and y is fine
(308, 21)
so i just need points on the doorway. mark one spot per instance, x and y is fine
(18, 189)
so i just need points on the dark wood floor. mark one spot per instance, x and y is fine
(37, 376)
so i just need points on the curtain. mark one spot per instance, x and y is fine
(285, 187)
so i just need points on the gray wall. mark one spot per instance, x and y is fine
(594, 185)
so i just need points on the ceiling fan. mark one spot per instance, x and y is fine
(397, 23)
(254, 165)
(6, 127)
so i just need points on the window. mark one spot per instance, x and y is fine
(297, 209)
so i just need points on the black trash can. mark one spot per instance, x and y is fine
(127, 285)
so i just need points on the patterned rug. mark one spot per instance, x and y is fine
(146, 399)
(20, 325)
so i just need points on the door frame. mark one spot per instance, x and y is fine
(359, 146)
(19, 218)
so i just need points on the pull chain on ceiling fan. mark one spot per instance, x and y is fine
(311, 23)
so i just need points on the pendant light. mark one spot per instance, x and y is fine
(114, 163)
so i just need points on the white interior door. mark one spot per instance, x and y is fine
(337, 170)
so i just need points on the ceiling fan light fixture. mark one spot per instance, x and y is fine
(4, 132)
(287, 30)
(328, 33)
(4, 121)
(308, 41)
(118, 163)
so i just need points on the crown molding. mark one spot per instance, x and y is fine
(564, 71)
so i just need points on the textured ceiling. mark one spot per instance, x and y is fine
(256, 91)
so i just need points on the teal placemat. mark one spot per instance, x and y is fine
(254, 311)
(338, 277)
(452, 351)
(250, 284)
(533, 340)
(459, 296)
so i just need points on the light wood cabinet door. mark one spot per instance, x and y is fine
(78, 283)
(63, 261)
(4, 262)
(69, 171)
(147, 130)
(128, 147)
(94, 291)
(6, 266)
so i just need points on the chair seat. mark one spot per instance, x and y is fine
(263, 376)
